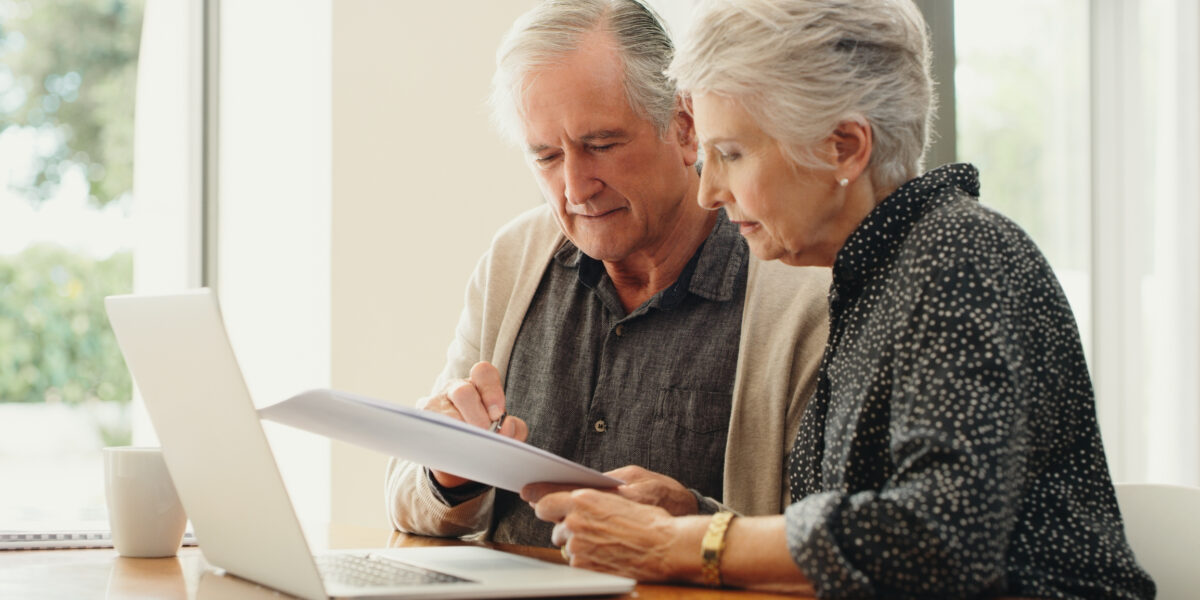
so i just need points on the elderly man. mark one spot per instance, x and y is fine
(619, 325)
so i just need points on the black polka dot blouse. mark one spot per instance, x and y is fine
(951, 448)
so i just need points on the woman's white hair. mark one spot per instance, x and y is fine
(801, 67)
(553, 29)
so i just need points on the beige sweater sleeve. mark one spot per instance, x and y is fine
(785, 325)
(497, 296)
(415, 507)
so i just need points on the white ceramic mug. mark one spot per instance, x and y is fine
(144, 511)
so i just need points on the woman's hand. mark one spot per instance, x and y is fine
(605, 532)
(647, 487)
(641, 486)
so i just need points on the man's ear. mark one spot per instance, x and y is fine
(852, 143)
(685, 130)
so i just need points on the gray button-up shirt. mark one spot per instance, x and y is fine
(653, 387)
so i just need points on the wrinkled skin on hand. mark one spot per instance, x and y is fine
(605, 532)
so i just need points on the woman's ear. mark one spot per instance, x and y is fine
(853, 142)
(685, 130)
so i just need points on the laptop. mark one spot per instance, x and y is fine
(58, 537)
(179, 354)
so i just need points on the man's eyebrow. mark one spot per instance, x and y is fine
(603, 134)
(587, 138)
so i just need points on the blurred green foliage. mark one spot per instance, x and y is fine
(55, 341)
(68, 70)
(1022, 85)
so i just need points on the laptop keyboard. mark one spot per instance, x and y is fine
(356, 570)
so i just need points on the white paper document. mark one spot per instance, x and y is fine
(430, 439)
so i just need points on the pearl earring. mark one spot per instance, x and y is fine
(843, 182)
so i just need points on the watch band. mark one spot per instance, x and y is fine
(711, 547)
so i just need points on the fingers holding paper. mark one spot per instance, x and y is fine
(647, 487)
(479, 401)
(641, 486)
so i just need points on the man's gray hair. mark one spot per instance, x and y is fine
(542, 36)
(800, 67)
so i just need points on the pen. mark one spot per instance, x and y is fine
(498, 423)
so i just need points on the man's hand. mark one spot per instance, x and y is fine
(641, 486)
(478, 400)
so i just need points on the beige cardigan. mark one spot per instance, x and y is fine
(784, 330)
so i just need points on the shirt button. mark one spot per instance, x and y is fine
(620, 331)
(600, 426)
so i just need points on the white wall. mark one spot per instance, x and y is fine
(273, 239)
(421, 182)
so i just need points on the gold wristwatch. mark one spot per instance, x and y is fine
(711, 547)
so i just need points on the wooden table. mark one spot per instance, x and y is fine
(82, 574)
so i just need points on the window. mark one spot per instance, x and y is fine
(73, 230)
(1022, 103)
(1082, 119)
(1145, 71)
(66, 100)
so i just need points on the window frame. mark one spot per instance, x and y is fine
(1120, 244)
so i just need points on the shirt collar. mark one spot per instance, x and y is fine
(869, 250)
(711, 272)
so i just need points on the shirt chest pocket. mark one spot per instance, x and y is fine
(695, 411)
(689, 435)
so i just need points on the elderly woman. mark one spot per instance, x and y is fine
(951, 448)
